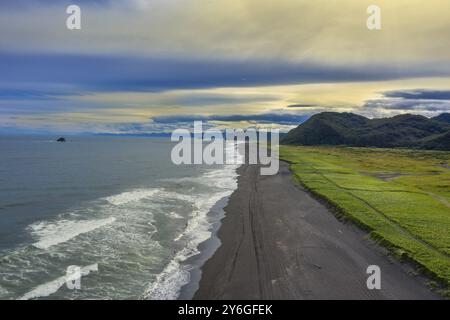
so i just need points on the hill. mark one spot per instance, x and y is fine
(443, 117)
(411, 131)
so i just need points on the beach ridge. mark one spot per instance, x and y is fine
(278, 242)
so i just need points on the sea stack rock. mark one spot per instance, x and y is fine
(61, 140)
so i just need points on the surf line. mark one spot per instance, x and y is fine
(71, 279)
(209, 147)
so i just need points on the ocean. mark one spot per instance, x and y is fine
(114, 206)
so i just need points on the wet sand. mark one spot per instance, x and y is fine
(277, 242)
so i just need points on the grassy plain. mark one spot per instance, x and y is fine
(401, 196)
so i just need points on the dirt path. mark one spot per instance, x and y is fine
(280, 243)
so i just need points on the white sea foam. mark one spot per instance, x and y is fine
(48, 288)
(174, 215)
(53, 233)
(176, 274)
(3, 291)
(131, 196)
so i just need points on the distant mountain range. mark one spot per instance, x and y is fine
(409, 131)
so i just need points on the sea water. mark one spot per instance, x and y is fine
(115, 202)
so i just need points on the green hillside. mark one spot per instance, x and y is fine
(409, 131)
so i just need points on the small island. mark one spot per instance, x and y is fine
(61, 140)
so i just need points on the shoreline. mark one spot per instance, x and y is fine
(208, 247)
(206, 250)
(278, 242)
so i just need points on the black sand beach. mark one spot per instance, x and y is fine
(280, 243)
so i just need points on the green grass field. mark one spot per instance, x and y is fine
(401, 196)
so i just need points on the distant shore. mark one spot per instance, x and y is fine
(277, 242)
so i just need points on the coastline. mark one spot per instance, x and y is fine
(278, 242)
(206, 250)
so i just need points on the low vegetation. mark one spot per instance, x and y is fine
(401, 196)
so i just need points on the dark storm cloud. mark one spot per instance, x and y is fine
(31, 94)
(92, 73)
(416, 100)
(419, 94)
(19, 4)
(418, 105)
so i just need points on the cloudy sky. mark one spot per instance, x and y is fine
(153, 65)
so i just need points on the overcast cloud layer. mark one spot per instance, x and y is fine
(136, 63)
